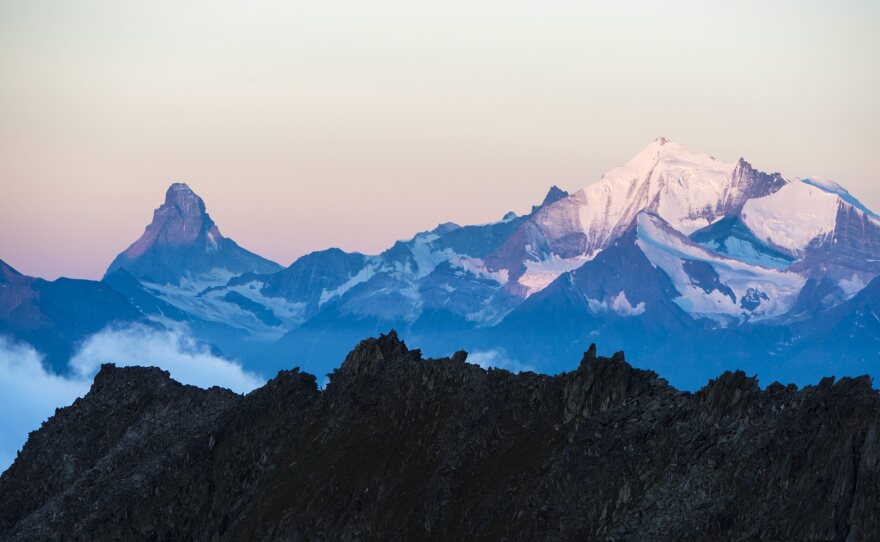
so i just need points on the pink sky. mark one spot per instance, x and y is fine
(340, 124)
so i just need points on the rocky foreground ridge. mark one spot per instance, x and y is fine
(398, 447)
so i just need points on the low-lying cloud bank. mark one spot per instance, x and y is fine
(188, 360)
(29, 393)
(497, 359)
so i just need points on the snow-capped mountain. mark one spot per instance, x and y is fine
(817, 230)
(183, 244)
(672, 250)
(171, 270)
(689, 191)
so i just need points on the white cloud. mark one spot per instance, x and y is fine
(29, 393)
(498, 359)
(188, 360)
(619, 305)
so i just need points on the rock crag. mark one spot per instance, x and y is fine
(401, 448)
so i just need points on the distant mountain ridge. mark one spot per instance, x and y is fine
(56, 315)
(687, 190)
(673, 249)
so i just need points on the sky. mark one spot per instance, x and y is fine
(306, 125)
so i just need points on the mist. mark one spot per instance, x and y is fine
(31, 393)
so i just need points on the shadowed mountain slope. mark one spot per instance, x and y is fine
(57, 315)
(397, 447)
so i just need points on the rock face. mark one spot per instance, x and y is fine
(397, 447)
(182, 241)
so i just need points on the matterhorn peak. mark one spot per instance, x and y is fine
(187, 202)
(180, 221)
(179, 188)
(182, 238)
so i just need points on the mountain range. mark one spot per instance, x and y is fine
(674, 252)
(398, 447)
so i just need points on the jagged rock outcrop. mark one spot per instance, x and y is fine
(397, 447)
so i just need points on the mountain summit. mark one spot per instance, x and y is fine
(182, 241)
(180, 221)
(688, 190)
(691, 262)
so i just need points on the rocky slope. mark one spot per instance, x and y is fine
(182, 243)
(397, 447)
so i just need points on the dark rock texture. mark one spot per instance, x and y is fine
(401, 448)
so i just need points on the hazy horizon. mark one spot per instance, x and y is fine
(311, 125)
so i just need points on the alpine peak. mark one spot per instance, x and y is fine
(182, 239)
(668, 153)
(180, 221)
(187, 202)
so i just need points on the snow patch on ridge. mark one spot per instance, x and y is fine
(477, 267)
(203, 297)
(619, 305)
(668, 250)
(290, 312)
(365, 274)
(212, 246)
(426, 258)
(745, 251)
(851, 286)
(792, 217)
(683, 188)
(539, 274)
(843, 193)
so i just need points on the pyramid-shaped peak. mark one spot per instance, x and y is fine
(179, 188)
(181, 220)
(183, 240)
(179, 191)
(181, 196)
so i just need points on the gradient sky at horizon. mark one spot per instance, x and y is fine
(353, 124)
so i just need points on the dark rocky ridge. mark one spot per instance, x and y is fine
(398, 447)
